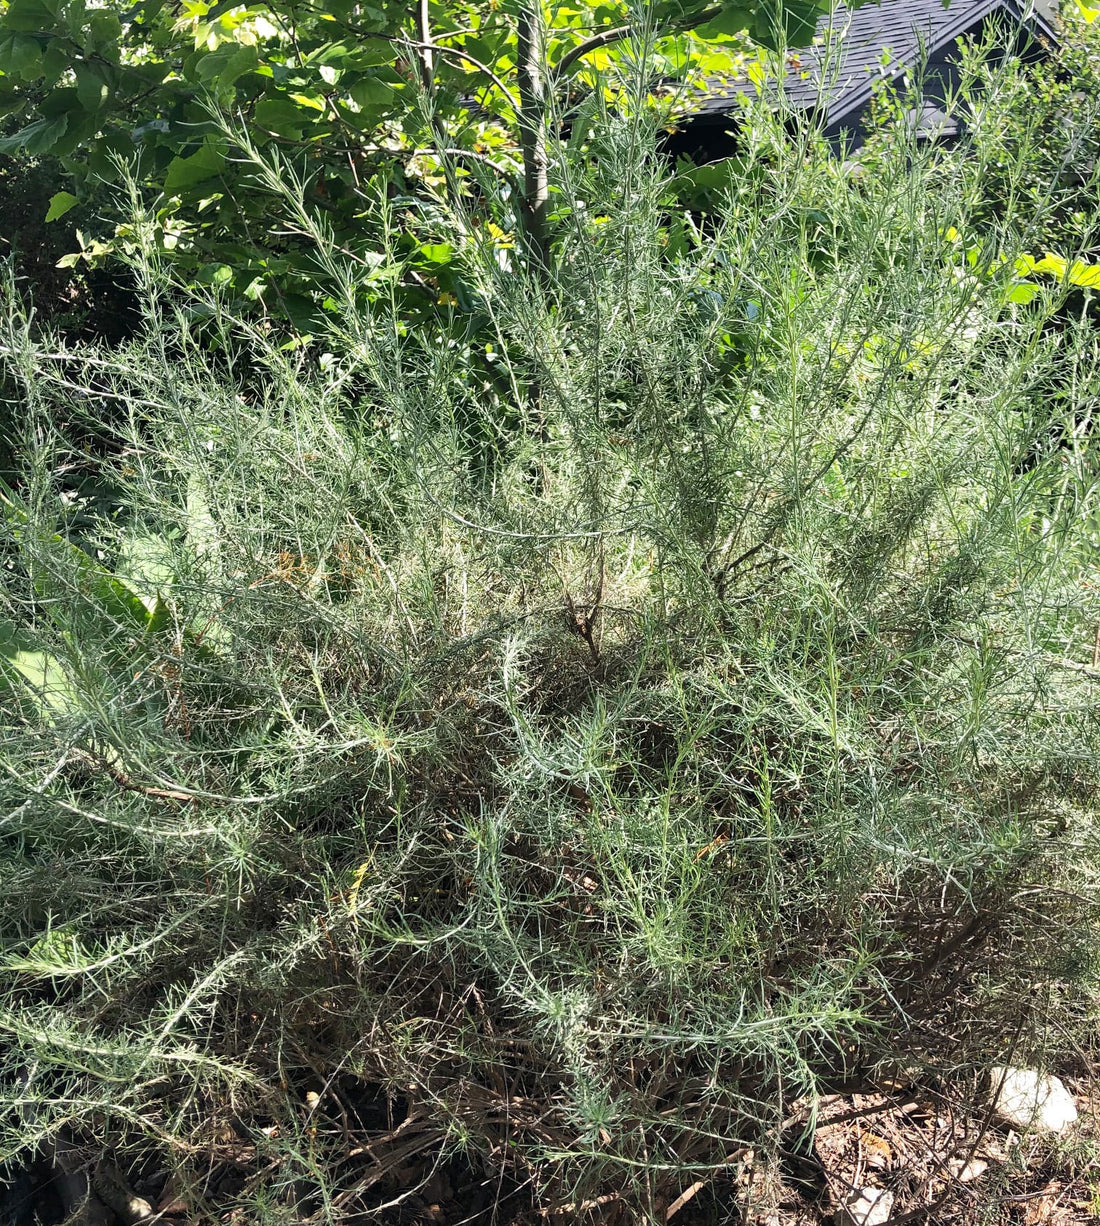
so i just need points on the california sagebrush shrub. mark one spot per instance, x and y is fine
(587, 727)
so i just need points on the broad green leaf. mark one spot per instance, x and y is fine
(117, 599)
(202, 528)
(435, 253)
(365, 118)
(60, 102)
(76, 16)
(145, 563)
(370, 92)
(729, 23)
(793, 25)
(92, 88)
(799, 19)
(38, 137)
(20, 55)
(106, 592)
(373, 53)
(43, 675)
(312, 102)
(55, 64)
(160, 616)
(282, 117)
(59, 951)
(1054, 264)
(1085, 274)
(242, 61)
(487, 50)
(27, 669)
(104, 28)
(1022, 292)
(1077, 273)
(216, 274)
(185, 172)
(713, 177)
(60, 204)
(226, 64)
(10, 101)
(32, 14)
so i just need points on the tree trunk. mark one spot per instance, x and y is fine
(535, 204)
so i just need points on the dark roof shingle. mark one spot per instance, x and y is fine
(855, 48)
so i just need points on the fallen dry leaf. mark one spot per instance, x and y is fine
(1049, 1208)
(876, 1149)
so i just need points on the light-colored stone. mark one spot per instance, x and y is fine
(1030, 1100)
(965, 1171)
(866, 1207)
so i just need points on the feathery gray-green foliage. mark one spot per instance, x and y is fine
(593, 725)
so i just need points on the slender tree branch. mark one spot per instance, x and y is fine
(427, 57)
(603, 39)
(469, 59)
(504, 171)
(433, 46)
(606, 37)
(427, 80)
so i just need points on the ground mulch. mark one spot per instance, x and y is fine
(934, 1147)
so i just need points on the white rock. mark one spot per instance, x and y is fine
(1027, 1099)
(965, 1171)
(866, 1207)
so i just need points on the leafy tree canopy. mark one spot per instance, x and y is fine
(362, 100)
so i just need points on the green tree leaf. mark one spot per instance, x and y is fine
(60, 204)
(20, 55)
(281, 116)
(36, 138)
(88, 73)
(242, 61)
(92, 87)
(31, 14)
(185, 172)
(730, 21)
(105, 29)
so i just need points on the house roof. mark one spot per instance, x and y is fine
(854, 49)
